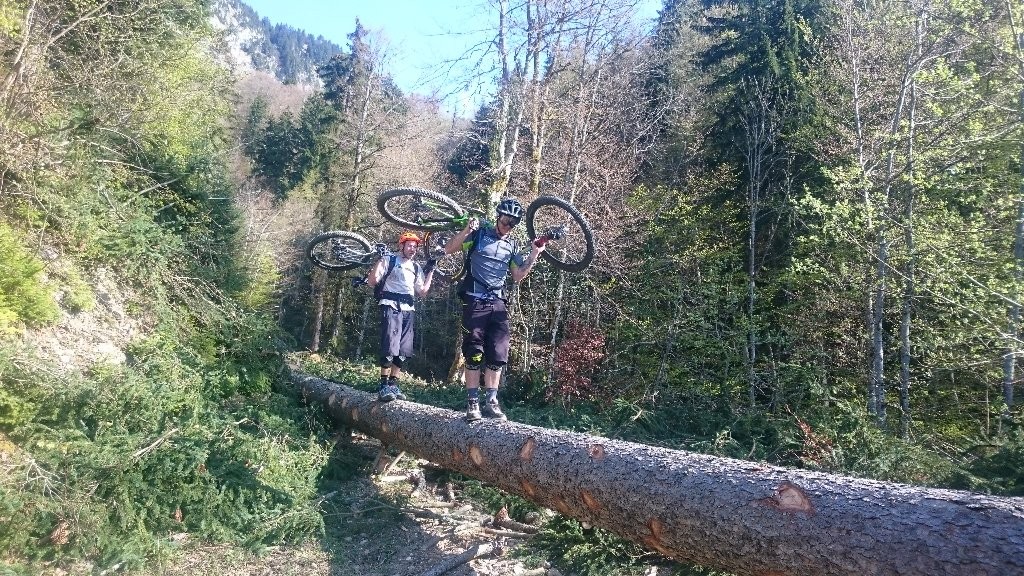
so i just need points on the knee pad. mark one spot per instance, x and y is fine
(474, 361)
(495, 366)
(385, 361)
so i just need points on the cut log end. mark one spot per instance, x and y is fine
(528, 489)
(791, 499)
(476, 455)
(657, 528)
(526, 452)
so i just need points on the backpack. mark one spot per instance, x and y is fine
(467, 277)
(378, 289)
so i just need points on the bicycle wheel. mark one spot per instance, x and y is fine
(571, 243)
(340, 250)
(449, 266)
(418, 209)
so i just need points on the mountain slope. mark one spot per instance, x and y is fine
(254, 43)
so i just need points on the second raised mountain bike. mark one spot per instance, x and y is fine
(549, 219)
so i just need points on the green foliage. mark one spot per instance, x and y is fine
(590, 551)
(998, 465)
(189, 437)
(261, 291)
(25, 299)
(491, 499)
(696, 305)
(77, 295)
(193, 433)
(285, 150)
(11, 17)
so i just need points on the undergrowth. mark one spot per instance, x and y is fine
(189, 437)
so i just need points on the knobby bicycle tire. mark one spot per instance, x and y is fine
(392, 205)
(575, 251)
(340, 250)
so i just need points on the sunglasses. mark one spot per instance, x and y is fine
(511, 220)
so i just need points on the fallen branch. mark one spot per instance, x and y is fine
(389, 465)
(455, 561)
(530, 572)
(503, 520)
(507, 533)
(143, 451)
(383, 463)
(439, 504)
(424, 513)
(418, 483)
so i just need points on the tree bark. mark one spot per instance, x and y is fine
(909, 265)
(318, 287)
(745, 517)
(1013, 329)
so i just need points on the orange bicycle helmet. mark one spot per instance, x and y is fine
(407, 236)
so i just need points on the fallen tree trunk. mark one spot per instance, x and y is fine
(745, 517)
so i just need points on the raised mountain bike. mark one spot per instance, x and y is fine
(341, 250)
(549, 220)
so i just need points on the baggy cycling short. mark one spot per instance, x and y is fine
(485, 329)
(396, 336)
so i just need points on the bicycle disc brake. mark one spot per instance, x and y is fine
(556, 232)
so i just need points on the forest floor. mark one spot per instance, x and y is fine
(404, 521)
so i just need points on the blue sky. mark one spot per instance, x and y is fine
(419, 33)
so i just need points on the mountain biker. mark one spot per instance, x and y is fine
(399, 277)
(492, 254)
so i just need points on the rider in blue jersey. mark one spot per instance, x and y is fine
(493, 255)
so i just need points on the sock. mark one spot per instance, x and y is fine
(393, 381)
(492, 395)
(474, 394)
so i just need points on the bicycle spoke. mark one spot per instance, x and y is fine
(571, 247)
(422, 212)
(448, 265)
(339, 251)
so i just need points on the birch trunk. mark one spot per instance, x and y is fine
(909, 286)
(1013, 330)
(318, 311)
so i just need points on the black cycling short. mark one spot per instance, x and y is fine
(485, 330)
